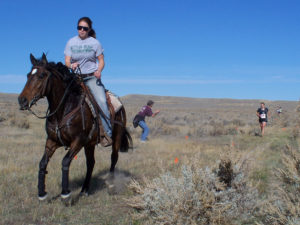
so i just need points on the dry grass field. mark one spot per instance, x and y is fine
(204, 163)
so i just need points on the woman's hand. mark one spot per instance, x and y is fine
(156, 112)
(97, 74)
(74, 65)
(70, 65)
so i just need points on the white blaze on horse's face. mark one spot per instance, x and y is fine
(34, 71)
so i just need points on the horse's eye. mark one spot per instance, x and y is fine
(41, 75)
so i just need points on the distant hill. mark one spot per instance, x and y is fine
(209, 103)
(136, 100)
(4, 97)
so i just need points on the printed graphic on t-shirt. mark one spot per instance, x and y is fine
(81, 48)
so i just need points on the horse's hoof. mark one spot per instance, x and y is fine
(84, 193)
(111, 189)
(42, 198)
(65, 195)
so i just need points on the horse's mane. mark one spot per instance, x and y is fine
(65, 75)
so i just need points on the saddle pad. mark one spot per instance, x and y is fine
(115, 101)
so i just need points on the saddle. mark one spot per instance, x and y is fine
(114, 105)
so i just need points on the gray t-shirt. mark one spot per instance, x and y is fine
(85, 52)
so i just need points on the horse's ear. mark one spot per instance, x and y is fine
(33, 60)
(44, 59)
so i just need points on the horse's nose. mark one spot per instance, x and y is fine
(22, 102)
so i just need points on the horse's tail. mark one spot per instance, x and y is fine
(126, 140)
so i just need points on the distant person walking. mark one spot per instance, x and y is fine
(262, 114)
(279, 110)
(139, 119)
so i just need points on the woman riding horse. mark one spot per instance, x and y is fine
(70, 122)
(82, 52)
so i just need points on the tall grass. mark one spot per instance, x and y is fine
(186, 139)
(283, 206)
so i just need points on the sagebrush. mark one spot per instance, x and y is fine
(197, 196)
(283, 207)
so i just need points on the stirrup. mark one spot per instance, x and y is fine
(106, 141)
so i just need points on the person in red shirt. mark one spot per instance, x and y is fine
(146, 111)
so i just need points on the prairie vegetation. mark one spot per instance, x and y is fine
(205, 163)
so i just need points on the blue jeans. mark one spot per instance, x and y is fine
(99, 95)
(145, 128)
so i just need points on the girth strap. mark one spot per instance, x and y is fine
(59, 136)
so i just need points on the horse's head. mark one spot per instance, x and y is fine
(36, 85)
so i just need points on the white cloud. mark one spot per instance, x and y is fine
(13, 79)
(176, 81)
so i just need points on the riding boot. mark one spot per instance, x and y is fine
(105, 140)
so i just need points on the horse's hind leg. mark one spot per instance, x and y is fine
(50, 148)
(90, 162)
(115, 151)
(117, 138)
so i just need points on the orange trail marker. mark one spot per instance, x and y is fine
(75, 157)
(176, 160)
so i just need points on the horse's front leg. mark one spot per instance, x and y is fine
(74, 149)
(50, 148)
(90, 162)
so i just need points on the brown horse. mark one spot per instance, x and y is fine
(70, 122)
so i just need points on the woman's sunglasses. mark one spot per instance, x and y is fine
(81, 27)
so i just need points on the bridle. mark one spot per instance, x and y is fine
(37, 97)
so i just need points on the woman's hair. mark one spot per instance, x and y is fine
(91, 33)
(150, 102)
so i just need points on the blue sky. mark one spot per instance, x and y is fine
(241, 49)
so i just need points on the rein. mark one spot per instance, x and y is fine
(59, 105)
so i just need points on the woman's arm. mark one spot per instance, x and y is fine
(156, 112)
(101, 64)
(68, 63)
(257, 113)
